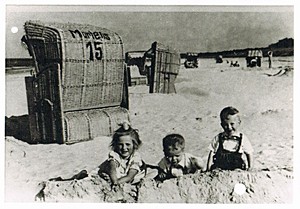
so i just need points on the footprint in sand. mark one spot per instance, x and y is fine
(268, 152)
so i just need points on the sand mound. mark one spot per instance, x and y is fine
(90, 189)
(210, 187)
(218, 187)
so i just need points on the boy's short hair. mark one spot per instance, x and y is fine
(173, 143)
(228, 111)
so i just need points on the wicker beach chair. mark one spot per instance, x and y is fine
(78, 90)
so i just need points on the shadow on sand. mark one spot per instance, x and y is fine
(18, 127)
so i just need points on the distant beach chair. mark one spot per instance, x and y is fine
(165, 64)
(192, 60)
(219, 59)
(135, 77)
(254, 58)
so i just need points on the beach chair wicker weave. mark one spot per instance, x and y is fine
(78, 90)
(165, 66)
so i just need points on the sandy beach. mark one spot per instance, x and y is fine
(266, 106)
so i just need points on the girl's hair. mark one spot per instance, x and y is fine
(228, 111)
(172, 142)
(126, 130)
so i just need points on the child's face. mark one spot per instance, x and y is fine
(175, 156)
(231, 124)
(125, 146)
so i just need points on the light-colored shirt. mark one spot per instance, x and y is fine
(124, 165)
(232, 145)
(185, 166)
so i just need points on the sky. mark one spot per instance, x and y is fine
(186, 28)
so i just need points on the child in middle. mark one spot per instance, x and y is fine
(176, 162)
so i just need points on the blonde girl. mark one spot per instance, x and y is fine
(124, 163)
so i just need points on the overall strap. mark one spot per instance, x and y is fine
(240, 142)
(221, 141)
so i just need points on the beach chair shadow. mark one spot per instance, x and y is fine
(18, 127)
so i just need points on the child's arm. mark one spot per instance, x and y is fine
(162, 171)
(248, 150)
(198, 163)
(249, 160)
(112, 172)
(161, 176)
(209, 161)
(129, 177)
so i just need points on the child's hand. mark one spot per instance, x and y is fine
(116, 187)
(199, 171)
(177, 172)
(162, 176)
(104, 176)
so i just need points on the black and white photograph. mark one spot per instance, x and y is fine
(149, 104)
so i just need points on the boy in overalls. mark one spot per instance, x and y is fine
(230, 149)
